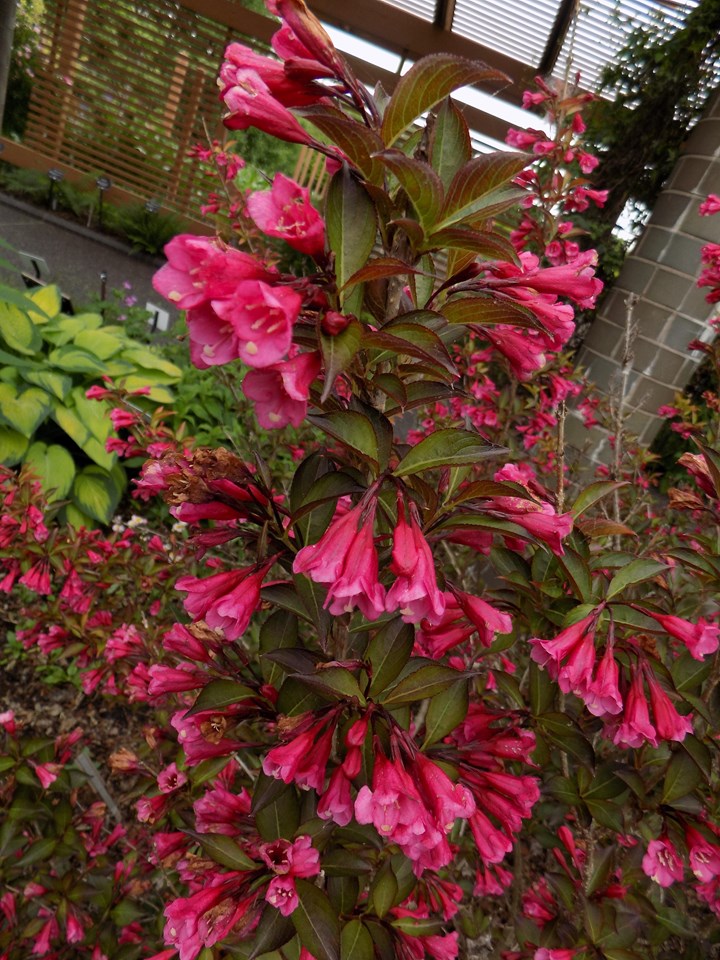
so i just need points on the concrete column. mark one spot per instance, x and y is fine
(8, 12)
(671, 310)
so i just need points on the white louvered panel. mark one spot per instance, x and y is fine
(420, 8)
(517, 28)
(602, 27)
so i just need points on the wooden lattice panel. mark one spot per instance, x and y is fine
(124, 90)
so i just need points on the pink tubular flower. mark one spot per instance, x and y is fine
(486, 619)
(261, 318)
(282, 894)
(280, 392)
(336, 803)
(298, 859)
(171, 779)
(538, 518)
(669, 724)
(415, 592)
(662, 863)
(285, 211)
(602, 695)
(204, 918)
(700, 638)
(634, 728)
(704, 856)
(250, 103)
(302, 760)
(37, 578)
(225, 601)
(397, 811)
(570, 656)
(345, 558)
(200, 269)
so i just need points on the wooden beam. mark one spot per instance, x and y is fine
(395, 29)
(444, 14)
(563, 19)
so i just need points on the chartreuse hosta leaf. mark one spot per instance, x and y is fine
(54, 468)
(68, 420)
(97, 493)
(18, 330)
(23, 410)
(12, 447)
(47, 303)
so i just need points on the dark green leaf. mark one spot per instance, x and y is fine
(273, 931)
(338, 352)
(592, 493)
(482, 184)
(280, 818)
(351, 223)
(488, 310)
(316, 922)
(355, 941)
(447, 710)
(388, 652)
(383, 890)
(637, 571)
(565, 734)
(225, 851)
(450, 146)
(446, 448)
(420, 182)
(682, 776)
(353, 430)
(343, 893)
(278, 632)
(421, 684)
(218, 694)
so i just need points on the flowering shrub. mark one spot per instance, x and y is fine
(414, 679)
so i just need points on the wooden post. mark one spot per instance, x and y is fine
(8, 12)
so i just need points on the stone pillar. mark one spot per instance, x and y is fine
(671, 310)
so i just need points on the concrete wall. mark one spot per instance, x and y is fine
(671, 310)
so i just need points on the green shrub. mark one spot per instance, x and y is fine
(47, 363)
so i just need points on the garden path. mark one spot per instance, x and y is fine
(75, 255)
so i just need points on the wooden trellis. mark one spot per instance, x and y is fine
(124, 90)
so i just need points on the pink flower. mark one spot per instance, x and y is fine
(282, 894)
(538, 518)
(700, 638)
(635, 727)
(298, 859)
(303, 759)
(285, 211)
(200, 269)
(710, 205)
(47, 773)
(661, 862)
(345, 558)
(280, 392)
(251, 103)
(225, 601)
(336, 803)
(704, 856)
(575, 646)
(171, 779)
(602, 695)
(37, 578)
(487, 620)
(415, 590)
(447, 800)
(669, 724)
(397, 811)
(261, 318)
